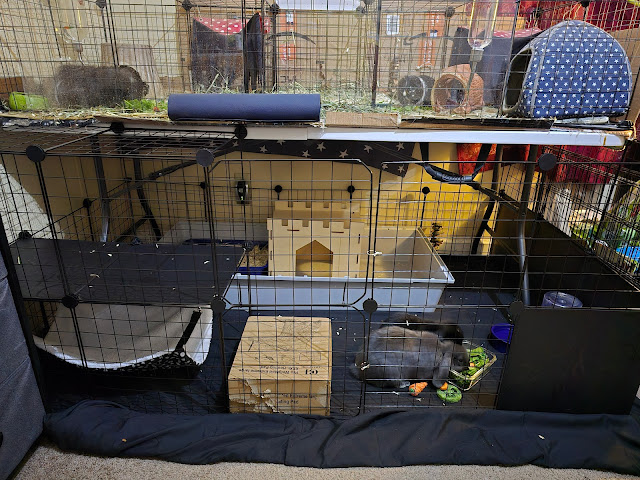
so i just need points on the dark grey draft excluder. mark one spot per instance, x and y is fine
(21, 409)
(436, 436)
(571, 70)
(251, 107)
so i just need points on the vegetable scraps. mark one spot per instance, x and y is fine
(478, 358)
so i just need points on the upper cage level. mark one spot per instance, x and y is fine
(561, 59)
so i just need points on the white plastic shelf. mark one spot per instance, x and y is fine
(552, 136)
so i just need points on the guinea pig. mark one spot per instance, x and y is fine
(87, 86)
(398, 357)
(445, 331)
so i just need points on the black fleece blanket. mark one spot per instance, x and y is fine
(435, 436)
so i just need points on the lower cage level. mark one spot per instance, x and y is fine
(205, 391)
(484, 288)
(201, 389)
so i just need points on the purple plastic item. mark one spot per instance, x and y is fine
(500, 336)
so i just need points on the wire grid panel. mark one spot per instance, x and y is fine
(568, 205)
(433, 58)
(313, 221)
(591, 196)
(119, 302)
(141, 286)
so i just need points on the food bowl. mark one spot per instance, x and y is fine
(560, 300)
(500, 336)
(465, 381)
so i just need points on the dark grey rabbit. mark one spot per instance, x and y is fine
(399, 356)
(445, 331)
(87, 86)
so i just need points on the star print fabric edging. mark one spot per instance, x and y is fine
(386, 156)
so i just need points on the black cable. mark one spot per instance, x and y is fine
(445, 176)
(148, 213)
(441, 174)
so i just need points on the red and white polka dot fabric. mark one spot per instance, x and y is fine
(527, 32)
(227, 27)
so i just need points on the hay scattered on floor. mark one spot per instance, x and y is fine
(345, 99)
(257, 257)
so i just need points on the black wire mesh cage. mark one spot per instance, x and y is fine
(199, 272)
(557, 59)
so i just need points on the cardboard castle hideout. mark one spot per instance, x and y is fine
(283, 364)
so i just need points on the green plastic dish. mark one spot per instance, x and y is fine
(25, 101)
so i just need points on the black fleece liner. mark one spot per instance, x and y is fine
(436, 436)
(114, 272)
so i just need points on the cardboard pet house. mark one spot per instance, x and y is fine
(322, 248)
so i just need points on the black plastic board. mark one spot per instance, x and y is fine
(572, 361)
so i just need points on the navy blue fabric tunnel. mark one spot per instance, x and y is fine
(251, 107)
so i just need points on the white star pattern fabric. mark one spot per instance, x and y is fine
(575, 70)
(382, 155)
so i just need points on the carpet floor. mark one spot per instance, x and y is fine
(46, 461)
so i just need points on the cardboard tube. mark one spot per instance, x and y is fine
(449, 93)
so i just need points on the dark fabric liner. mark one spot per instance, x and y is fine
(494, 63)
(436, 436)
(178, 273)
(129, 273)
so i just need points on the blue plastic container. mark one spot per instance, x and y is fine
(500, 336)
(261, 270)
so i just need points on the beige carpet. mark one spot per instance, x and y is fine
(47, 462)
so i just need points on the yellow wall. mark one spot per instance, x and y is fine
(399, 202)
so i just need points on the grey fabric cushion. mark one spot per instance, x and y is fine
(22, 416)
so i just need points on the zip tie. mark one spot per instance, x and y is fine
(373, 253)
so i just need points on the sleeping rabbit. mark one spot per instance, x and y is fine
(399, 356)
(89, 86)
(445, 331)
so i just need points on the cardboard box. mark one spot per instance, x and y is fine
(630, 41)
(283, 365)
(352, 119)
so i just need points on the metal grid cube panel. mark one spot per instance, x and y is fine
(143, 288)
